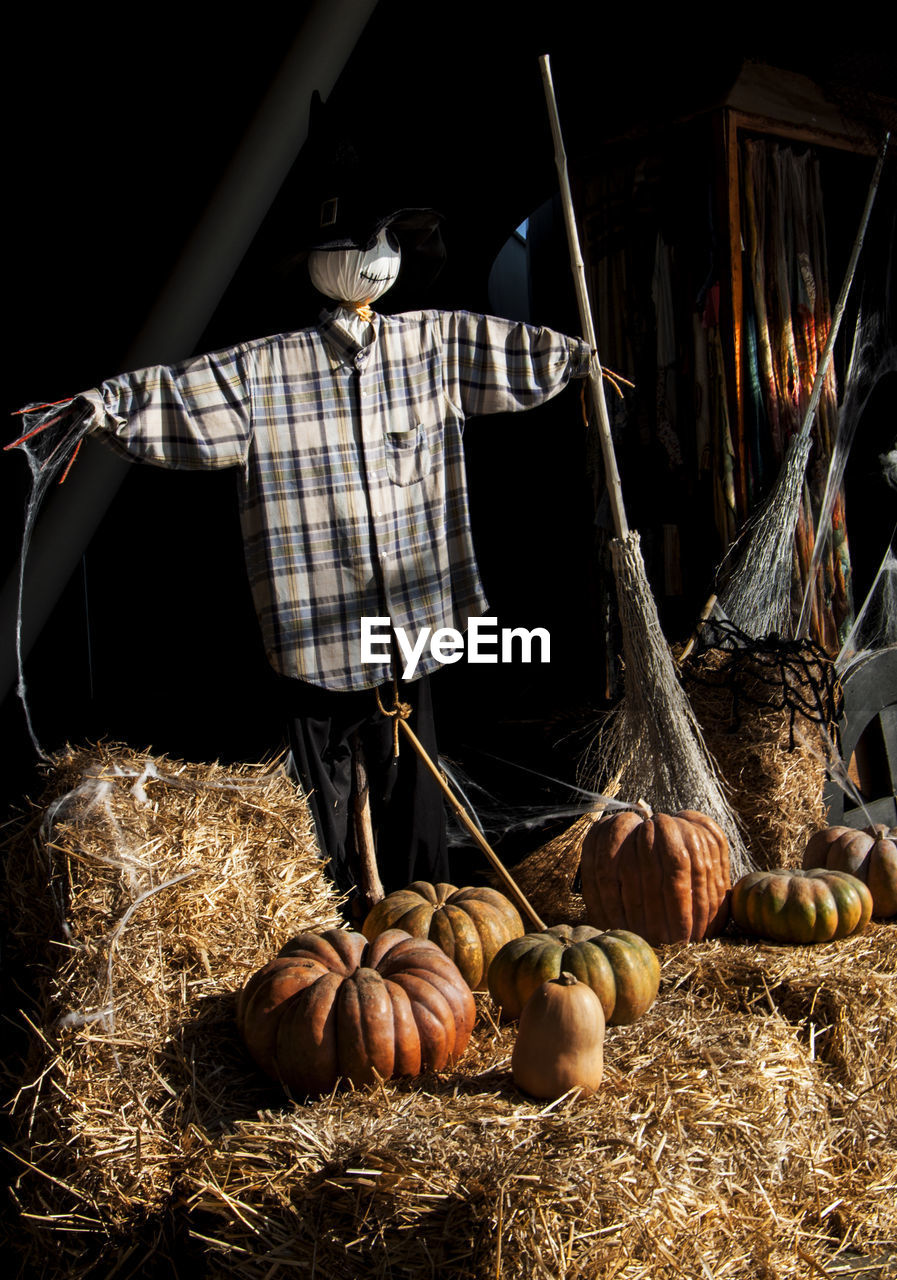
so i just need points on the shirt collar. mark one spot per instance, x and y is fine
(343, 347)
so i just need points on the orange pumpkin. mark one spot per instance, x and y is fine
(332, 1005)
(560, 1040)
(662, 876)
(470, 925)
(870, 855)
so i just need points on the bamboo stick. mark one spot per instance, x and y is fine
(838, 316)
(465, 819)
(596, 385)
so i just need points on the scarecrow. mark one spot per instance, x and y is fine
(347, 439)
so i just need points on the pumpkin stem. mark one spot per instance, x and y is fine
(567, 979)
(643, 807)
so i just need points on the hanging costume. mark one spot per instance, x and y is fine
(353, 504)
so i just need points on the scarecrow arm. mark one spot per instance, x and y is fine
(501, 366)
(191, 415)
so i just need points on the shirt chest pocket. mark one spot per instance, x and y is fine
(408, 456)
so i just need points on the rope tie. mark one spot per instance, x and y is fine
(614, 379)
(362, 309)
(399, 711)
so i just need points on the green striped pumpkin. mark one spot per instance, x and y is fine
(619, 966)
(801, 906)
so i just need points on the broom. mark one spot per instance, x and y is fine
(757, 597)
(873, 357)
(652, 741)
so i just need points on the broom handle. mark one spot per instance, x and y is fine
(699, 627)
(822, 367)
(507, 879)
(596, 384)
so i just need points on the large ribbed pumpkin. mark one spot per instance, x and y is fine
(801, 906)
(870, 855)
(469, 925)
(332, 1005)
(619, 966)
(664, 876)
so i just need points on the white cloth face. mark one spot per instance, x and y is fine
(356, 275)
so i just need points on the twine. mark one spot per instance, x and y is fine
(399, 711)
(362, 309)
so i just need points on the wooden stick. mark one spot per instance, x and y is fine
(465, 819)
(596, 385)
(838, 314)
(699, 627)
(806, 609)
(371, 885)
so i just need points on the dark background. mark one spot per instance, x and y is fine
(120, 135)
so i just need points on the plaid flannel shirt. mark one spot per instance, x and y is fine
(353, 495)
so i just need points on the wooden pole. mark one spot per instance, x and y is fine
(465, 819)
(596, 382)
(699, 627)
(838, 314)
(371, 885)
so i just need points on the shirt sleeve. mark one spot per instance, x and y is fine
(190, 415)
(499, 366)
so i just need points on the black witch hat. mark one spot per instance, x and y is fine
(354, 190)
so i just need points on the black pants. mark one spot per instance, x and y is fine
(406, 802)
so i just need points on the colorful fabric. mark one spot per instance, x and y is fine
(353, 495)
(722, 459)
(787, 318)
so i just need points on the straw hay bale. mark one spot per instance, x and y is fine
(745, 1130)
(775, 774)
(141, 894)
(740, 1133)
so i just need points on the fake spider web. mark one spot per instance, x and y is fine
(50, 442)
(793, 676)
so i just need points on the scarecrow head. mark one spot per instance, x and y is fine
(357, 274)
(354, 258)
